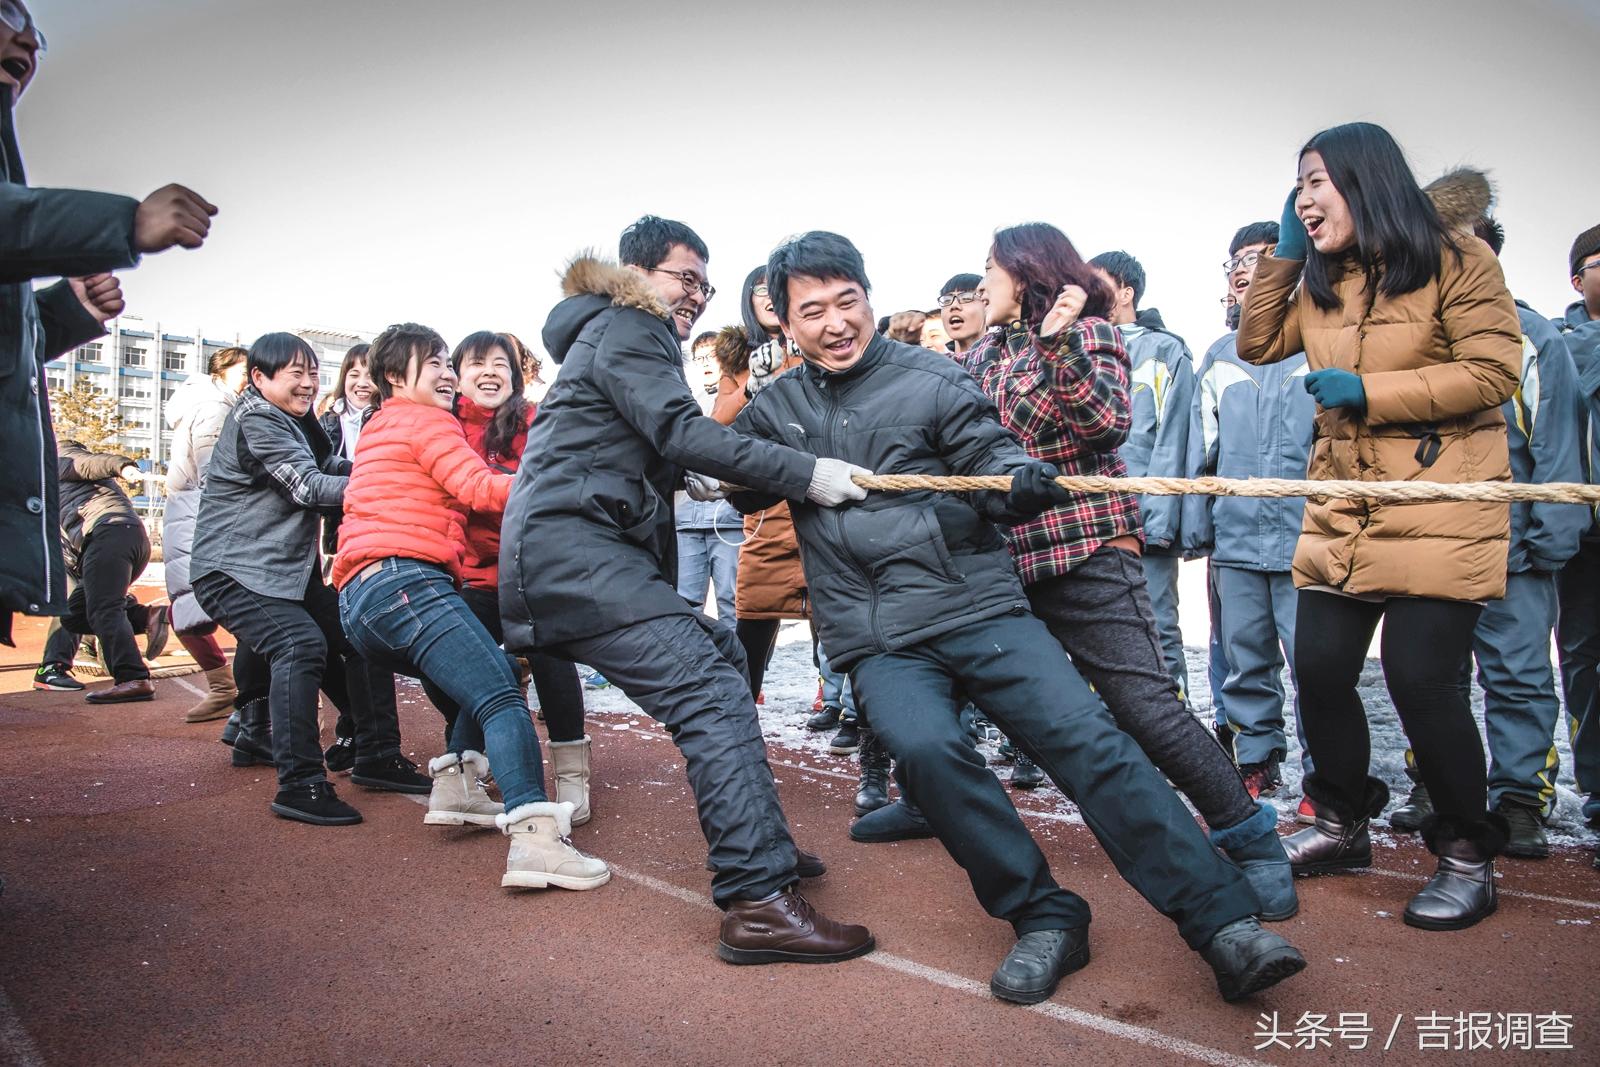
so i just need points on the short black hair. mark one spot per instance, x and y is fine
(392, 351)
(650, 240)
(705, 337)
(1255, 233)
(815, 254)
(883, 323)
(961, 283)
(1125, 269)
(1489, 230)
(274, 351)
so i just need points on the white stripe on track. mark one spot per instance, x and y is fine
(1523, 894)
(1141, 1035)
(190, 686)
(15, 1044)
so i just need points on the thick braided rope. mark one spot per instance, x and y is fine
(1383, 492)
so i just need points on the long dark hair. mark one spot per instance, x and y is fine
(754, 332)
(510, 418)
(1040, 259)
(1398, 233)
(353, 355)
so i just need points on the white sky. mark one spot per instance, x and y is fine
(386, 160)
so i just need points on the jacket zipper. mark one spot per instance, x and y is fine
(844, 540)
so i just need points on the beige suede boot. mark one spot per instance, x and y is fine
(541, 852)
(458, 797)
(218, 703)
(569, 761)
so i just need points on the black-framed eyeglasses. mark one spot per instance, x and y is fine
(691, 281)
(16, 17)
(960, 296)
(1246, 261)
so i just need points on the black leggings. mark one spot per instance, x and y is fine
(759, 637)
(555, 680)
(1425, 642)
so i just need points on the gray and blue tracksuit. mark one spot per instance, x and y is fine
(1512, 642)
(1161, 390)
(1255, 422)
(1578, 585)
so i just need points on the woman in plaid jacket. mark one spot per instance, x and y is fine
(1056, 368)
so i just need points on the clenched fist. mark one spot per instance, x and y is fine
(1065, 311)
(172, 215)
(100, 294)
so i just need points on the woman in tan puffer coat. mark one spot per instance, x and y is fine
(1413, 343)
(771, 585)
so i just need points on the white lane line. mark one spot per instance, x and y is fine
(1052, 816)
(15, 1044)
(190, 686)
(1140, 1035)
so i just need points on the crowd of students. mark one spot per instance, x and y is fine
(428, 520)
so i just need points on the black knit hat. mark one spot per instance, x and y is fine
(1587, 244)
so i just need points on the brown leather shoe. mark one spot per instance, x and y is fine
(124, 692)
(783, 928)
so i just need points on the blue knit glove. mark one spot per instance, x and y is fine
(1335, 388)
(1291, 232)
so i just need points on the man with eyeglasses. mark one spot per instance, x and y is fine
(81, 237)
(1255, 422)
(588, 565)
(961, 311)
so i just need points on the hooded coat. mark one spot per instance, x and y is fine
(589, 543)
(43, 233)
(195, 414)
(1436, 364)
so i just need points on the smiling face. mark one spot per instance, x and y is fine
(830, 320)
(934, 336)
(292, 389)
(358, 387)
(1002, 298)
(429, 380)
(486, 376)
(684, 303)
(1322, 209)
(1243, 273)
(761, 304)
(19, 49)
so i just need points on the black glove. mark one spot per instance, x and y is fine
(1034, 489)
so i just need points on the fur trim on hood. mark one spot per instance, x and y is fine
(1461, 197)
(589, 275)
(732, 351)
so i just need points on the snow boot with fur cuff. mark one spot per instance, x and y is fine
(1255, 847)
(1461, 892)
(1338, 838)
(569, 762)
(218, 703)
(458, 797)
(541, 850)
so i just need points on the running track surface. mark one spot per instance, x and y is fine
(154, 912)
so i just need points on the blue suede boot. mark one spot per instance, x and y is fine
(1254, 845)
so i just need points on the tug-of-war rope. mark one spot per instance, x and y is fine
(1382, 492)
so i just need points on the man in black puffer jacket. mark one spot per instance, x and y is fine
(917, 598)
(588, 567)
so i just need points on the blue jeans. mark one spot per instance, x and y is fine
(408, 617)
(836, 691)
(709, 555)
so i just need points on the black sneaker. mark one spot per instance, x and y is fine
(394, 773)
(341, 755)
(1026, 774)
(847, 740)
(900, 821)
(156, 631)
(1037, 963)
(53, 677)
(1527, 840)
(1247, 959)
(1409, 817)
(826, 719)
(315, 803)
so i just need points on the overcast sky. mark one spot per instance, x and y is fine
(385, 160)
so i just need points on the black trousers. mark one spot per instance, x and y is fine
(687, 672)
(1424, 648)
(1018, 675)
(305, 648)
(113, 557)
(555, 680)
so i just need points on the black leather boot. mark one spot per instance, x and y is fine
(253, 744)
(1338, 838)
(1461, 892)
(873, 792)
(1409, 817)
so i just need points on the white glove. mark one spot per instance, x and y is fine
(831, 484)
(701, 488)
(132, 473)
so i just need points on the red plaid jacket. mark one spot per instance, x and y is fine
(1066, 397)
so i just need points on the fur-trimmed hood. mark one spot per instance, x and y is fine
(590, 285)
(1461, 197)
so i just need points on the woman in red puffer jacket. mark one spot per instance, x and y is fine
(495, 417)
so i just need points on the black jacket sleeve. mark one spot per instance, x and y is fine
(77, 464)
(751, 421)
(67, 323)
(66, 232)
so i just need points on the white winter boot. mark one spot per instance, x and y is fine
(570, 762)
(541, 853)
(458, 796)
